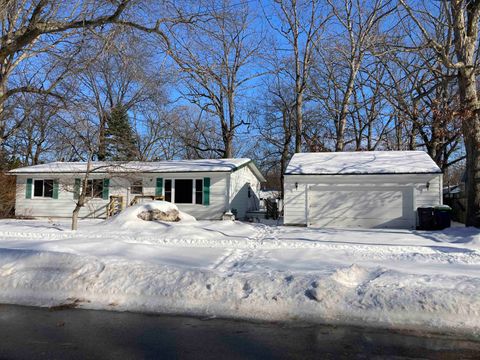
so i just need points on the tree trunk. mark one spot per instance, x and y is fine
(80, 203)
(299, 122)
(231, 128)
(75, 214)
(286, 146)
(298, 88)
(102, 147)
(3, 90)
(82, 196)
(228, 146)
(471, 133)
(369, 136)
(342, 118)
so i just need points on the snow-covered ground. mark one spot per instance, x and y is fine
(389, 278)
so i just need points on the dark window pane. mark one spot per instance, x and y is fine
(89, 188)
(183, 191)
(38, 188)
(168, 190)
(199, 191)
(48, 188)
(198, 197)
(97, 188)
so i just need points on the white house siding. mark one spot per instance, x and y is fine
(240, 181)
(119, 185)
(64, 205)
(393, 199)
(218, 193)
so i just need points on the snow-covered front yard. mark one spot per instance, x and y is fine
(391, 278)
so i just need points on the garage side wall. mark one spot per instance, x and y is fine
(295, 200)
(418, 190)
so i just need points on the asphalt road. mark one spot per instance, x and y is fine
(34, 333)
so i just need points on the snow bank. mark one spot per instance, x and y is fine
(349, 295)
(396, 279)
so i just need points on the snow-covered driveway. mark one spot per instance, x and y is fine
(391, 278)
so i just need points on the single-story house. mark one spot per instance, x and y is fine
(205, 189)
(372, 189)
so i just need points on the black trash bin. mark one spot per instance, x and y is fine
(442, 216)
(426, 218)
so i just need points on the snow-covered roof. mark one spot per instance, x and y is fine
(167, 166)
(269, 194)
(365, 162)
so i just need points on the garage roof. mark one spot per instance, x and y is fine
(362, 162)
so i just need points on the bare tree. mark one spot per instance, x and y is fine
(301, 25)
(463, 20)
(32, 142)
(25, 26)
(359, 39)
(32, 29)
(215, 61)
(276, 127)
(115, 74)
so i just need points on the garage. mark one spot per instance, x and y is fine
(378, 189)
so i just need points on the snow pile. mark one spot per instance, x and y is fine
(396, 279)
(136, 216)
(469, 236)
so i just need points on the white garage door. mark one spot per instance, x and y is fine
(361, 206)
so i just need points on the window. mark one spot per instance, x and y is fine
(43, 188)
(137, 187)
(95, 188)
(184, 191)
(199, 191)
(168, 190)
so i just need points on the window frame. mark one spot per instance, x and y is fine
(132, 186)
(34, 180)
(194, 190)
(90, 189)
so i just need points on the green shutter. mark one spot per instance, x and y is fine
(28, 189)
(159, 187)
(55, 188)
(206, 191)
(106, 184)
(76, 189)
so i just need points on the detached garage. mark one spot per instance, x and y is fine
(374, 189)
